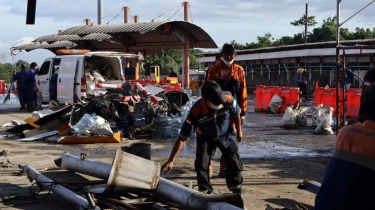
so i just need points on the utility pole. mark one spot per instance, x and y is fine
(306, 21)
(340, 104)
(186, 47)
(100, 12)
(13, 56)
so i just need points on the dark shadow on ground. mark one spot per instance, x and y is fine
(287, 203)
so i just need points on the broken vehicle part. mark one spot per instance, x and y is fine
(168, 190)
(44, 182)
(124, 175)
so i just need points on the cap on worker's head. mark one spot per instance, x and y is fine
(367, 107)
(227, 48)
(23, 66)
(212, 92)
(33, 64)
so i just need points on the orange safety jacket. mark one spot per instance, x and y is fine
(349, 177)
(235, 83)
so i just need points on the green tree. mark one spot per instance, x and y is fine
(285, 40)
(19, 62)
(237, 45)
(265, 41)
(168, 59)
(302, 22)
(327, 32)
(6, 72)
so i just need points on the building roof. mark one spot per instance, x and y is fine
(143, 36)
(349, 44)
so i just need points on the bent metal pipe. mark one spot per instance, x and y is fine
(171, 191)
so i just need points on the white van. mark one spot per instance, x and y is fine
(71, 80)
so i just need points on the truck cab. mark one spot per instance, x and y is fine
(75, 74)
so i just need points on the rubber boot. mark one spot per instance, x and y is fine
(30, 106)
(22, 103)
(222, 167)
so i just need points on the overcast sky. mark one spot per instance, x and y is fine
(240, 20)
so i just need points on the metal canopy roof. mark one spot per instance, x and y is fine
(145, 36)
(52, 47)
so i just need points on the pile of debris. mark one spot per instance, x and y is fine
(317, 117)
(128, 110)
(123, 185)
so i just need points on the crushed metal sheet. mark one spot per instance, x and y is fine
(39, 136)
(51, 126)
(153, 90)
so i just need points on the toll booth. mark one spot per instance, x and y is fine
(154, 73)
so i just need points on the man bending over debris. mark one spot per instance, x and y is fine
(349, 178)
(213, 116)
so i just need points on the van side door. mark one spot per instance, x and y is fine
(66, 80)
(42, 79)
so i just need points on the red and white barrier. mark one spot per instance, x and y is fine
(108, 86)
(146, 93)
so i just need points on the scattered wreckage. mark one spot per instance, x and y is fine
(130, 110)
(125, 186)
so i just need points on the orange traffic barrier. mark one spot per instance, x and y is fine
(173, 87)
(3, 89)
(327, 97)
(72, 51)
(172, 80)
(353, 103)
(263, 96)
(290, 96)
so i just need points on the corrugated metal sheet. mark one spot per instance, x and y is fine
(33, 46)
(143, 36)
(114, 28)
(55, 38)
(96, 37)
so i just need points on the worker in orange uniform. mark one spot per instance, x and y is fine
(348, 181)
(231, 77)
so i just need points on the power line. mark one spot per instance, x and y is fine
(191, 16)
(111, 14)
(114, 18)
(175, 12)
(165, 12)
(108, 16)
